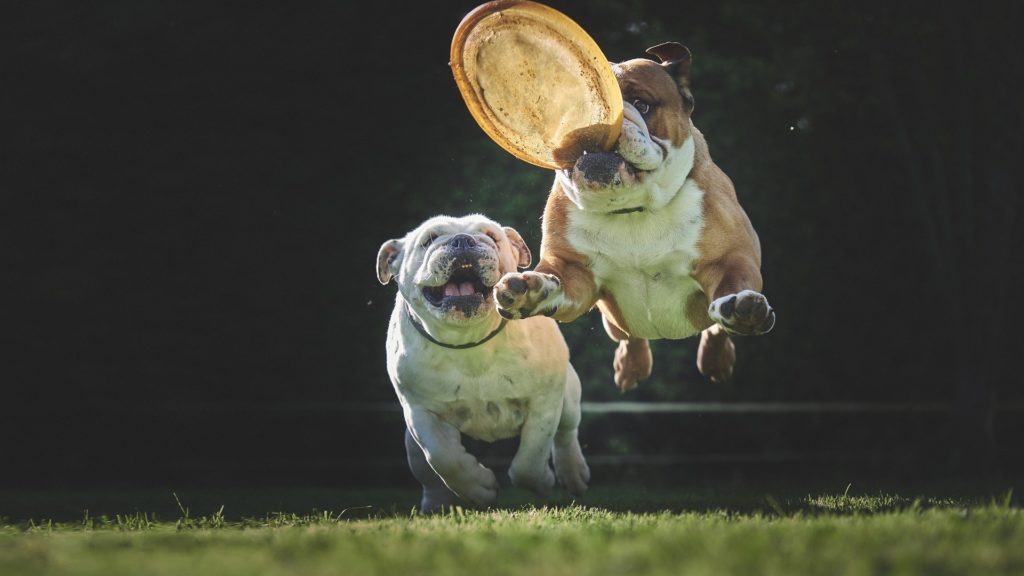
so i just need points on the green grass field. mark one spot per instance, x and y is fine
(709, 530)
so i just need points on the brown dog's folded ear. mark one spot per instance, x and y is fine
(676, 60)
(670, 52)
(522, 250)
(385, 257)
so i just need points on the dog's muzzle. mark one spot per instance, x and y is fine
(464, 288)
(635, 153)
(603, 168)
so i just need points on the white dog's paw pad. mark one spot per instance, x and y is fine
(521, 295)
(746, 312)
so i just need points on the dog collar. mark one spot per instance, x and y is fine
(628, 210)
(419, 328)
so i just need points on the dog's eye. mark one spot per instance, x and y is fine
(642, 107)
(429, 240)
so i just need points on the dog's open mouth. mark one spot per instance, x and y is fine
(464, 289)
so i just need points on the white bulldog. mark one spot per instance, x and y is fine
(458, 367)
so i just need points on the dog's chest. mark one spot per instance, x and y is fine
(489, 405)
(492, 403)
(488, 392)
(645, 262)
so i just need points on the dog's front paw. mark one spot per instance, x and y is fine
(539, 479)
(476, 484)
(571, 468)
(746, 313)
(523, 294)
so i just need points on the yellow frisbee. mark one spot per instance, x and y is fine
(536, 82)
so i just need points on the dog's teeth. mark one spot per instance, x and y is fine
(450, 289)
(467, 289)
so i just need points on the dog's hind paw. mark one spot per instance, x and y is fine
(437, 500)
(632, 364)
(523, 294)
(746, 313)
(716, 354)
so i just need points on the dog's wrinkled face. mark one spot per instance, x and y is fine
(446, 267)
(654, 153)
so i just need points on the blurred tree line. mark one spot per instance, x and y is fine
(197, 194)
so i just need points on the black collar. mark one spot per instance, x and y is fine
(628, 210)
(419, 328)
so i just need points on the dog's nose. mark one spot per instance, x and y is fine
(462, 242)
(600, 167)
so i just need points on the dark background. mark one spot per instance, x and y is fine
(195, 194)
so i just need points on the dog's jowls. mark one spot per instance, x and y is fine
(459, 368)
(652, 234)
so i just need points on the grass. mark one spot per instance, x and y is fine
(709, 530)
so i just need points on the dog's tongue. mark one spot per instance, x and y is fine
(464, 289)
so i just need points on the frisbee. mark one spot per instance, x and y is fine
(536, 82)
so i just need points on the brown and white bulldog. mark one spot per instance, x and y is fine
(651, 233)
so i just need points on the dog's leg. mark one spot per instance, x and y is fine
(633, 359)
(436, 496)
(734, 284)
(442, 447)
(716, 354)
(570, 466)
(563, 290)
(530, 466)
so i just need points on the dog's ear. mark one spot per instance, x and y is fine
(385, 257)
(676, 59)
(522, 250)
